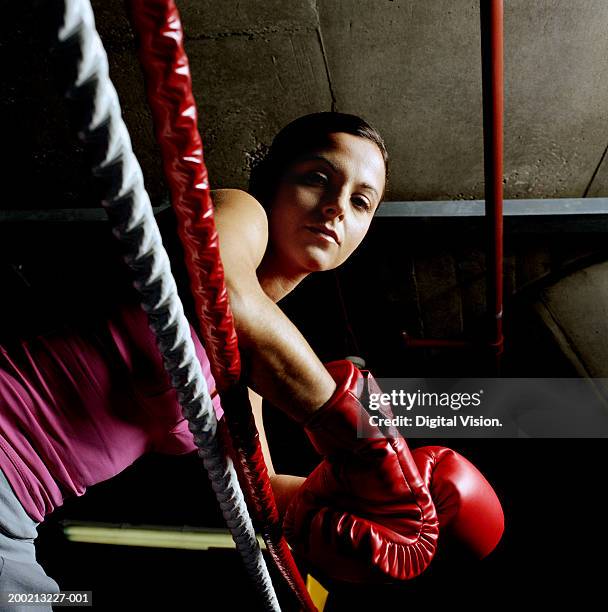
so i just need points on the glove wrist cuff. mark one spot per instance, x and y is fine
(341, 423)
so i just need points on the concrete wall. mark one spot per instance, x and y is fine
(412, 67)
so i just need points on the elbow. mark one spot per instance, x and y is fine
(244, 324)
(237, 299)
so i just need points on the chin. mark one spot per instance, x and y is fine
(318, 260)
(317, 264)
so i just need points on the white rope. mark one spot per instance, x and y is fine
(101, 128)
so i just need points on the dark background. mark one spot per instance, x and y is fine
(552, 490)
(55, 273)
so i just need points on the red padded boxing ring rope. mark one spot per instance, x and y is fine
(169, 90)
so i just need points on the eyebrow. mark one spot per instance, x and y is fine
(336, 170)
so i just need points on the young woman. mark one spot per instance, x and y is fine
(372, 509)
(316, 194)
(80, 405)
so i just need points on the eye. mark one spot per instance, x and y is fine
(361, 203)
(315, 178)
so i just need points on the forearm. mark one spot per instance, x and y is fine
(284, 487)
(278, 362)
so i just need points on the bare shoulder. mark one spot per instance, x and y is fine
(242, 226)
(236, 202)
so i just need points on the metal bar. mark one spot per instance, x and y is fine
(491, 12)
(511, 208)
(59, 215)
(420, 209)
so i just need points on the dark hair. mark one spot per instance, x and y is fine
(297, 138)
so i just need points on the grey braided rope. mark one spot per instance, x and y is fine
(128, 207)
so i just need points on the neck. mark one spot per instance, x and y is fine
(277, 281)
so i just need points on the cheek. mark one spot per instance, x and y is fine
(303, 199)
(281, 207)
(284, 219)
(290, 200)
(356, 233)
(278, 226)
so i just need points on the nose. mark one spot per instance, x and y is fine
(334, 205)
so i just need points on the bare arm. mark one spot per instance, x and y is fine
(279, 363)
(284, 486)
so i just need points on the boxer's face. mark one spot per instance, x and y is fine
(325, 202)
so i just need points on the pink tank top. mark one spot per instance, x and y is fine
(77, 408)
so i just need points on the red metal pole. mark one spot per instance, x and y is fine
(491, 13)
(437, 343)
(491, 17)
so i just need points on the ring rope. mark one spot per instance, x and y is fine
(169, 88)
(128, 206)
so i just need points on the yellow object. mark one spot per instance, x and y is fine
(156, 537)
(169, 537)
(317, 592)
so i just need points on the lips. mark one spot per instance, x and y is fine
(324, 231)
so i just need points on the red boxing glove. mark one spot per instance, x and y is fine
(365, 513)
(469, 511)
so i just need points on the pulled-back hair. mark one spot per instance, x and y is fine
(299, 137)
